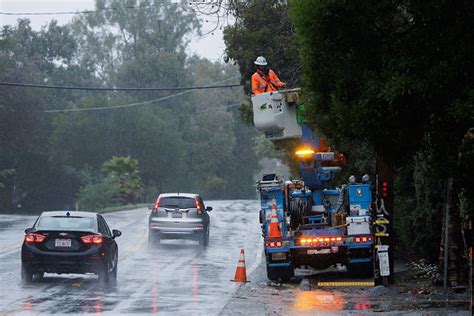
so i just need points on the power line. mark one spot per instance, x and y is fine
(226, 107)
(77, 12)
(31, 85)
(137, 103)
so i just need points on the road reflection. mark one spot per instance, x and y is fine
(195, 282)
(27, 305)
(98, 305)
(154, 285)
(318, 300)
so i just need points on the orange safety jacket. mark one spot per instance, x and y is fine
(261, 84)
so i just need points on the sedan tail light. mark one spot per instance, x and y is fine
(92, 239)
(31, 238)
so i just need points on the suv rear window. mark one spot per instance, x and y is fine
(66, 223)
(177, 202)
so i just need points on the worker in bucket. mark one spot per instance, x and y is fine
(265, 79)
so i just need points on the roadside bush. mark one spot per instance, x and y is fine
(97, 195)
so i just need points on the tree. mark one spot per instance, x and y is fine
(389, 73)
(124, 171)
(39, 57)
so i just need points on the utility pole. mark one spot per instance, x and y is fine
(446, 233)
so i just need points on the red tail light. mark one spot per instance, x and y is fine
(273, 244)
(157, 203)
(363, 239)
(92, 239)
(199, 210)
(30, 238)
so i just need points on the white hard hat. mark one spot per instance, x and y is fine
(260, 61)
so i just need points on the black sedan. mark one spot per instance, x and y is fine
(69, 242)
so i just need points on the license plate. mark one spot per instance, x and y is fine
(176, 215)
(278, 256)
(318, 252)
(63, 243)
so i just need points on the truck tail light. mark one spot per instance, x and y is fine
(31, 238)
(273, 244)
(92, 239)
(364, 239)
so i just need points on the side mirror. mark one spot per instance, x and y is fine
(208, 209)
(28, 230)
(116, 233)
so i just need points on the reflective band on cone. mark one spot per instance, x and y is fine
(241, 272)
(274, 230)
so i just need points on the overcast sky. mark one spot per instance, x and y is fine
(210, 46)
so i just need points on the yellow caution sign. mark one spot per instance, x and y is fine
(347, 283)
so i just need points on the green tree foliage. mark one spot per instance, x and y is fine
(41, 57)
(99, 194)
(124, 171)
(398, 76)
(180, 143)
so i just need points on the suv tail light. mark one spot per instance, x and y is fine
(199, 209)
(155, 207)
(31, 238)
(92, 239)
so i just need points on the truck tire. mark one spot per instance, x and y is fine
(280, 273)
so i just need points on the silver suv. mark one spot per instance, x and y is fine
(179, 216)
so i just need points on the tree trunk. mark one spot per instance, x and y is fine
(456, 267)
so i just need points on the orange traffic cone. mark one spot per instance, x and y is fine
(274, 230)
(241, 272)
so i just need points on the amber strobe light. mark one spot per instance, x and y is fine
(304, 152)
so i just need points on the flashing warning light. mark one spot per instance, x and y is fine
(304, 152)
(320, 240)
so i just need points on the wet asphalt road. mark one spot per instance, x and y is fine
(175, 277)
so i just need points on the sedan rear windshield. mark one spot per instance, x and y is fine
(66, 223)
(177, 202)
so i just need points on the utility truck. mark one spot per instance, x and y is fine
(305, 222)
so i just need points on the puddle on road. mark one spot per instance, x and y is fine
(329, 301)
